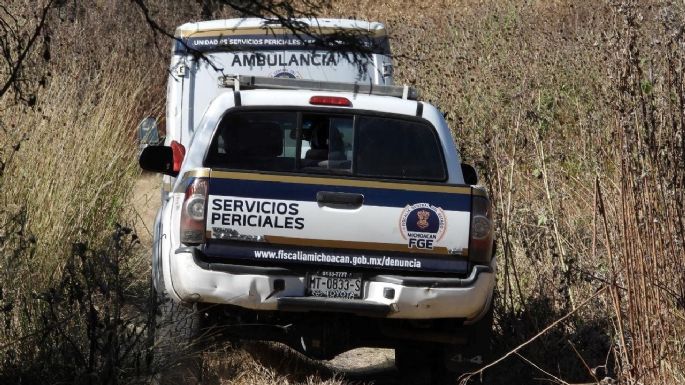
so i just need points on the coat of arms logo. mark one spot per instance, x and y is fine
(423, 225)
(423, 216)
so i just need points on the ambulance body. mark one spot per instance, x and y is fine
(204, 51)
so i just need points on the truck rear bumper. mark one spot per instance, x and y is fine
(253, 288)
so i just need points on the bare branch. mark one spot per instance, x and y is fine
(464, 379)
(531, 363)
(283, 14)
(158, 29)
(14, 72)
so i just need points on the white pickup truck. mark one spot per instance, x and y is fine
(326, 215)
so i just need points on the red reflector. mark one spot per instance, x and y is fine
(330, 101)
(179, 152)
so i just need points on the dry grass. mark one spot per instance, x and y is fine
(261, 363)
(70, 190)
(572, 110)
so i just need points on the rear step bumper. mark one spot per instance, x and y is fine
(253, 288)
(363, 308)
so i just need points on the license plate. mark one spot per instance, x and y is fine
(335, 284)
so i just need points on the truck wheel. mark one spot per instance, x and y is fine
(415, 363)
(475, 353)
(176, 350)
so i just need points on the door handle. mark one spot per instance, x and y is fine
(339, 198)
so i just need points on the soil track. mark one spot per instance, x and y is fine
(146, 196)
(366, 364)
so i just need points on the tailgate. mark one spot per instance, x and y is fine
(332, 221)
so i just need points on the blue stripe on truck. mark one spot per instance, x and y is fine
(289, 255)
(314, 50)
(307, 193)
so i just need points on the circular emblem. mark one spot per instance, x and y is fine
(422, 225)
(286, 73)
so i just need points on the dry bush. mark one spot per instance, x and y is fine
(74, 299)
(88, 327)
(523, 88)
(73, 283)
(642, 211)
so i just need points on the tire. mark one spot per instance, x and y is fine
(415, 363)
(477, 351)
(176, 346)
(430, 363)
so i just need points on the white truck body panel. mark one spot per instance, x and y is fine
(187, 282)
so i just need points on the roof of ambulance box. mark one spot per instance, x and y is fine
(256, 25)
(254, 34)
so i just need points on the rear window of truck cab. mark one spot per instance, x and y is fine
(312, 142)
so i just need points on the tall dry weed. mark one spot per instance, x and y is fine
(643, 210)
(73, 285)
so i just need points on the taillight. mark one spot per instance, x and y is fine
(482, 230)
(194, 212)
(330, 101)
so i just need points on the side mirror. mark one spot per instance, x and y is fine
(148, 132)
(469, 173)
(162, 159)
(157, 159)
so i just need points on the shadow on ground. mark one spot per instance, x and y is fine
(575, 351)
